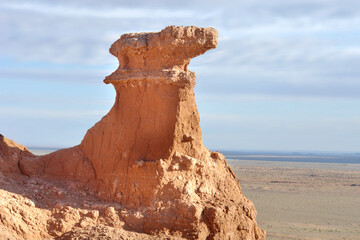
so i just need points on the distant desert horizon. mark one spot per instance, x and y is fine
(297, 200)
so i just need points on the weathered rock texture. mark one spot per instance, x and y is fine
(10, 155)
(147, 153)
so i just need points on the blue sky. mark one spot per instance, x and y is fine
(285, 75)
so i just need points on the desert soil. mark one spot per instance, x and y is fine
(303, 200)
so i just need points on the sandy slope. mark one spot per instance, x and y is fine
(303, 200)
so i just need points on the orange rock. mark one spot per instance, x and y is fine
(147, 153)
(10, 154)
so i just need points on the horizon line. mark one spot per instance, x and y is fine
(231, 152)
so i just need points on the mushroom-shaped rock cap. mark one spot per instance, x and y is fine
(171, 48)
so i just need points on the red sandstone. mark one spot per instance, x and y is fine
(147, 154)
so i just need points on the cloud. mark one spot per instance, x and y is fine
(52, 113)
(269, 52)
(65, 33)
(60, 75)
(112, 13)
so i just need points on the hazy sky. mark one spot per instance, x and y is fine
(285, 75)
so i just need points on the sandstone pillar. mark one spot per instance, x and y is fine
(147, 153)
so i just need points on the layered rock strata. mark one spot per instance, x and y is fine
(147, 153)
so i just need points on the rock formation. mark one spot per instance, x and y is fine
(10, 155)
(147, 153)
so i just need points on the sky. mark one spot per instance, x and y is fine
(284, 77)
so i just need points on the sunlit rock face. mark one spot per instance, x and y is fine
(147, 153)
(10, 155)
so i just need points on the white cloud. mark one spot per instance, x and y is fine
(277, 51)
(114, 13)
(50, 113)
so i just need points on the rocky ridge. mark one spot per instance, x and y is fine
(143, 167)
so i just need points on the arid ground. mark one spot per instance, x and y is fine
(297, 200)
(294, 200)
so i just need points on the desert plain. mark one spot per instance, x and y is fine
(297, 200)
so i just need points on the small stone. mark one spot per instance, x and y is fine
(94, 214)
(110, 212)
(187, 138)
(29, 203)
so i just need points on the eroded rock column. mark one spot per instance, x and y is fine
(154, 113)
(147, 153)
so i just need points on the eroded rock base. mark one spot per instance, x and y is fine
(43, 207)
